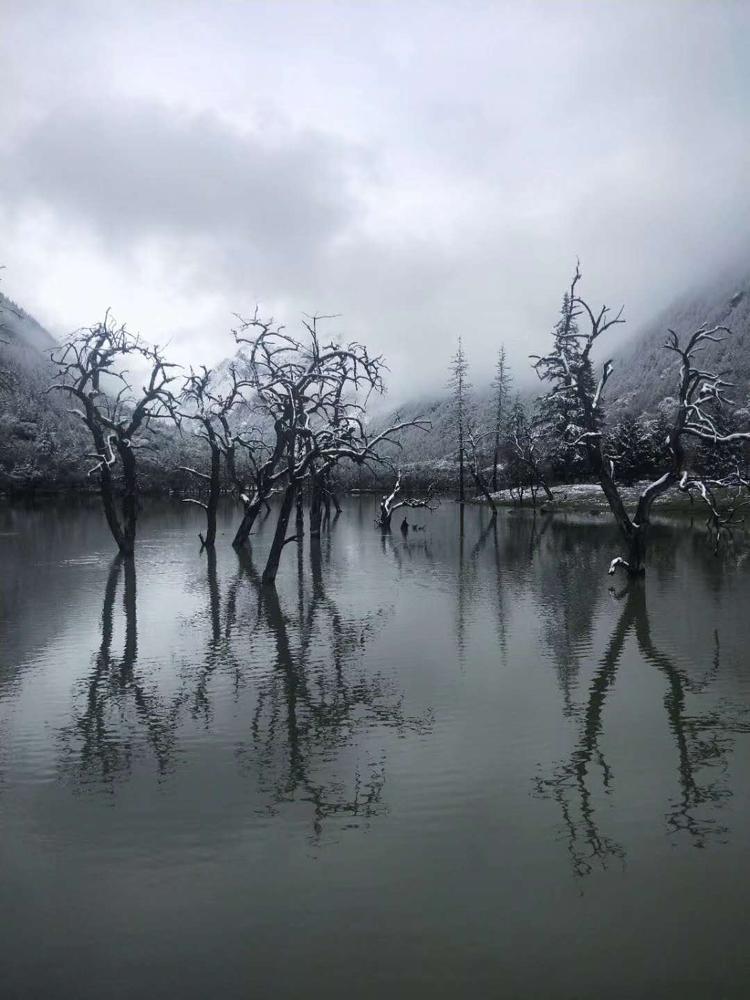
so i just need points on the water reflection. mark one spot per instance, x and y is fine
(703, 741)
(117, 700)
(306, 716)
(271, 761)
(312, 711)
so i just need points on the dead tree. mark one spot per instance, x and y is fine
(314, 393)
(211, 408)
(263, 457)
(119, 417)
(320, 473)
(393, 501)
(570, 371)
(476, 469)
(525, 440)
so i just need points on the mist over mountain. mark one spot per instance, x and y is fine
(645, 373)
(36, 423)
(22, 330)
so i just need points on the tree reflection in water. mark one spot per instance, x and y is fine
(118, 702)
(703, 743)
(314, 710)
(317, 703)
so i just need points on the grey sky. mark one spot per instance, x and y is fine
(424, 169)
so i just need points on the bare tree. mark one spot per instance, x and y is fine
(314, 393)
(120, 418)
(525, 438)
(474, 440)
(393, 501)
(569, 369)
(211, 408)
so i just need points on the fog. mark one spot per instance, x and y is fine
(423, 170)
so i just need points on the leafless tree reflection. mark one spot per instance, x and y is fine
(317, 704)
(703, 743)
(120, 708)
(316, 712)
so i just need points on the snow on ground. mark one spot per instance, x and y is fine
(591, 495)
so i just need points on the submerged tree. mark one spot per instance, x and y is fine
(460, 386)
(120, 418)
(393, 501)
(569, 369)
(211, 407)
(314, 393)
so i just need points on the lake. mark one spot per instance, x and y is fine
(460, 762)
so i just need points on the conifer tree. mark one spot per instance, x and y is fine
(560, 416)
(460, 387)
(501, 388)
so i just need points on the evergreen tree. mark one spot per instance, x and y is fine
(460, 387)
(500, 387)
(560, 415)
(634, 447)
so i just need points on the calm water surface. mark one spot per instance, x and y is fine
(451, 764)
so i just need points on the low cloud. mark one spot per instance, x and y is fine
(423, 170)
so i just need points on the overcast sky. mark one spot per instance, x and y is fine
(423, 169)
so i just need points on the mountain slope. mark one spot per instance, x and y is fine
(646, 373)
(21, 330)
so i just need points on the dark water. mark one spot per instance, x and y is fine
(448, 765)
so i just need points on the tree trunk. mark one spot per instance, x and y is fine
(384, 521)
(106, 487)
(549, 495)
(482, 487)
(252, 509)
(300, 515)
(316, 509)
(495, 458)
(130, 497)
(110, 508)
(213, 498)
(637, 550)
(279, 538)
